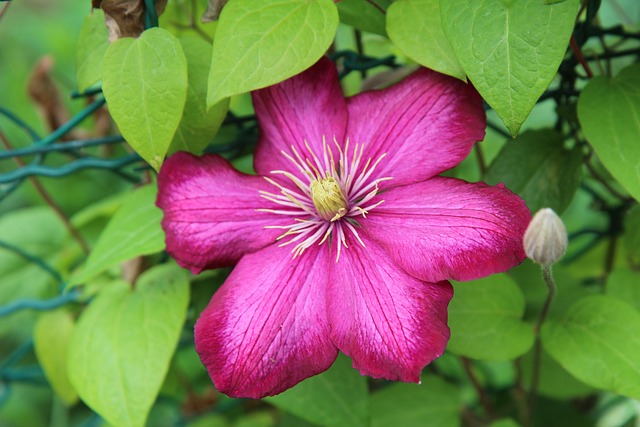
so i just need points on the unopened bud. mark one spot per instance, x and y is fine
(545, 240)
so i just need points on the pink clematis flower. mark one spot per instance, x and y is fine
(347, 239)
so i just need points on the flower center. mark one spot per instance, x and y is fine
(328, 199)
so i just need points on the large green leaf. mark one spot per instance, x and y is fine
(415, 28)
(335, 398)
(133, 231)
(362, 15)
(51, 337)
(198, 126)
(145, 83)
(260, 43)
(537, 167)
(432, 403)
(597, 341)
(609, 111)
(123, 343)
(510, 49)
(624, 284)
(485, 320)
(93, 42)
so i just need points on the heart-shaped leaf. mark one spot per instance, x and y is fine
(608, 110)
(144, 81)
(485, 320)
(415, 27)
(510, 49)
(123, 343)
(260, 43)
(597, 341)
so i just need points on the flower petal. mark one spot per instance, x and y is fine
(210, 216)
(306, 107)
(266, 329)
(391, 324)
(445, 228)
(426, 124)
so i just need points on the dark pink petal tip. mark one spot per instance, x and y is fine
(391, 324)
(210, 211)
(266, 329)
(445, 228)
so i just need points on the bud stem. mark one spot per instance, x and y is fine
(547, 275)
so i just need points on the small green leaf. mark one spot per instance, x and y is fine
(537, 167)
(624, 284)
(93, 42)
(145, 85)
(431, 403)
(51, 337)
(123, 343)
(133, 231)
(415, 28)
(260, 43)
(511, 50)
(364, 16)
(597, 341)
(608, 110)
(485, 320)
(323, 399)
(198, 126)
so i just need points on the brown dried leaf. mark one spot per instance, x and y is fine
(213, 10)
(44, 92)
(125, 18)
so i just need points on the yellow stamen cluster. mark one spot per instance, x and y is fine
(327, 197)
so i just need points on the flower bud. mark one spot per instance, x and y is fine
(545, 240)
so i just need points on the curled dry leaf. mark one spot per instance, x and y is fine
(213, 10)
(44, 92)
(125, 18)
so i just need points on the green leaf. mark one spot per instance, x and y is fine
(197, 126)
(363, 15)
(511, 50)
(624, 284)
(259, 43)
(485, 320)
(335, 398)
(123, 343)
(598, 343)
(93, 42)
(51, 337)
(505, 422)
(608, 110)
(538, 168)
(145, 84)
(431, 403)
(133, 231)
(415, 28)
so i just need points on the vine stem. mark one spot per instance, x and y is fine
(580, 57)
(377, 6)
(547, 275)
(49, 200)
(485, 401)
